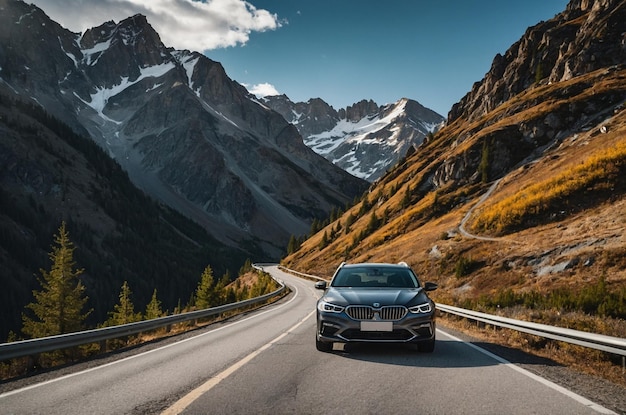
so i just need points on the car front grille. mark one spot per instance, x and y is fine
(389, 313)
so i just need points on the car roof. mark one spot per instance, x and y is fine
(374, 264)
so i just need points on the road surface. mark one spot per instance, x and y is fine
(266, 363)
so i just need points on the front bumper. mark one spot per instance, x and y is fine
(413, 328)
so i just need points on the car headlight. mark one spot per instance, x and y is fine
(329, 308)
(421, 308)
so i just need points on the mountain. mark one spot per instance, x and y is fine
(520, 197)
(364, 139)
(159, 164)
(50, 174)
(186, 133)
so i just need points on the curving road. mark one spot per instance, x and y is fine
(266, 363)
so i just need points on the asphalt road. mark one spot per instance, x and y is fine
(266, 363)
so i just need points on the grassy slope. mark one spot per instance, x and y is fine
(425, 233)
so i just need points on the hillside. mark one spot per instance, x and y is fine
(559, 133)
(50, 174)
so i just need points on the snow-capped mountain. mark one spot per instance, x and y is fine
(186, 133)
(364, 139)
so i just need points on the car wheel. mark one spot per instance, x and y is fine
(426, 347)
(323, 346)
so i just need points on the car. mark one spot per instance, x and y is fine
(375, 303)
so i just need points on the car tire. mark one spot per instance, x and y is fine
(426, 347)
(323, 346)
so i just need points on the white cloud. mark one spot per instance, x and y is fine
(182, 24)
(262, 90)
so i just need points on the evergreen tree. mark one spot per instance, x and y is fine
(485, 161)
(247, 267)
(373, 223)
(219, 292)
(292, 246)
(58, 307)
(333, 214)
(365, 205)
(349, 221)
(315, 226)
(124, 311)
(205, 293)
(324, 242)
(153, 309)
(406, 200)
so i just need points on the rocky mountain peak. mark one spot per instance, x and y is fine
(112, 51)
(360, 110)
(363, 139)
(587, 36)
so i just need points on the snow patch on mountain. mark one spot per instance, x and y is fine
(101, 97)
(355, 132)
(97, 49)
(188, 62)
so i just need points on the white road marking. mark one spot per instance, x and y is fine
(188, 399)
(592, 405)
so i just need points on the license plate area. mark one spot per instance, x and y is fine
(376, 326)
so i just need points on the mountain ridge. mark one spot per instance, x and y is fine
(364, 139)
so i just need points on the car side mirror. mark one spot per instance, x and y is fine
(430, 286)
(320, 285)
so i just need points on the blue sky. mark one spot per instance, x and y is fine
(339, 50)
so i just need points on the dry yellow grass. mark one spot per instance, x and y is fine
(604, 169)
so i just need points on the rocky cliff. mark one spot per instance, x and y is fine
(531, 80)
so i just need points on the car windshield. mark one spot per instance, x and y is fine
(384, 277)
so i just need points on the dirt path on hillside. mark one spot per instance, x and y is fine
(469, 213)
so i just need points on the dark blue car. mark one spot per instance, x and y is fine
(371, 302)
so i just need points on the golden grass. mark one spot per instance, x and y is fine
(602, 169)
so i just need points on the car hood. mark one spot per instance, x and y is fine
(369, 296)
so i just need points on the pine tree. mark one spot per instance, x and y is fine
(406, 199)
(153, 309)
(293, 245)
(58, 307)
(324, 242)
(373, 223)
(315, 226)
(219, 291)
(124, 311)
(349, 221)
(205, 292)
(246, 267)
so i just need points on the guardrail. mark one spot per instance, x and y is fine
(46, 344)
(602, 342)
(300, 274)
(610, 344)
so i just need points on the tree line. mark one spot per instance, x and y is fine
(60, 305)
